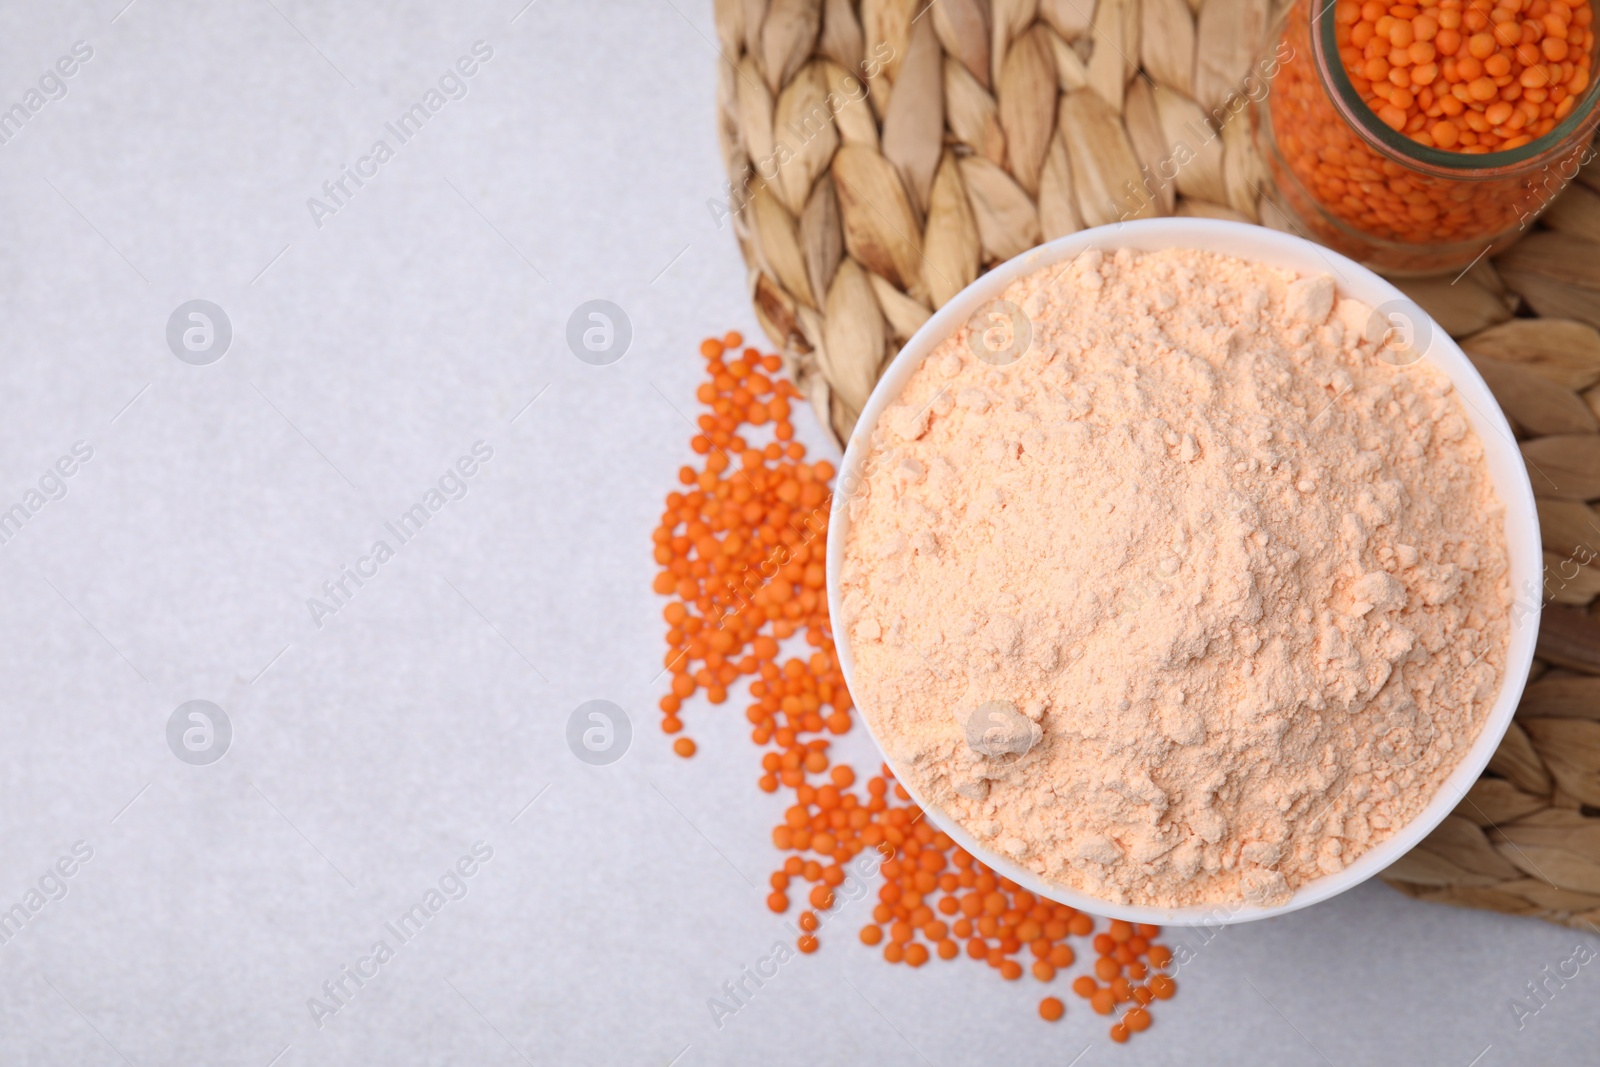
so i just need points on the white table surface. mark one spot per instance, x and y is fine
(372, 752)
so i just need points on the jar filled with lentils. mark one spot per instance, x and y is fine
(1418, 136)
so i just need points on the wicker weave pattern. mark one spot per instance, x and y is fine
(883, 153)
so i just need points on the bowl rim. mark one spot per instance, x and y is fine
(1507, 471)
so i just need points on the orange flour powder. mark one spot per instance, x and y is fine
(1195, 602)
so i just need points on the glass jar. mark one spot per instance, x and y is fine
(1375, 194)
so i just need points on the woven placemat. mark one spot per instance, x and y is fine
(881, 154)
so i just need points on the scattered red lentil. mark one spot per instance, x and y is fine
(741, 550)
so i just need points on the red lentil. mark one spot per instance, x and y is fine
(1467, 75)
(1464, 77)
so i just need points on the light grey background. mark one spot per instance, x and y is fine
(372, 752)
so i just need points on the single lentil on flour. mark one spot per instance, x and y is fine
(741, 548)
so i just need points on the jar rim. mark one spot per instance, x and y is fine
(1381, 135)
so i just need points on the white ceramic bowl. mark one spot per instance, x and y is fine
(1506, 470)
